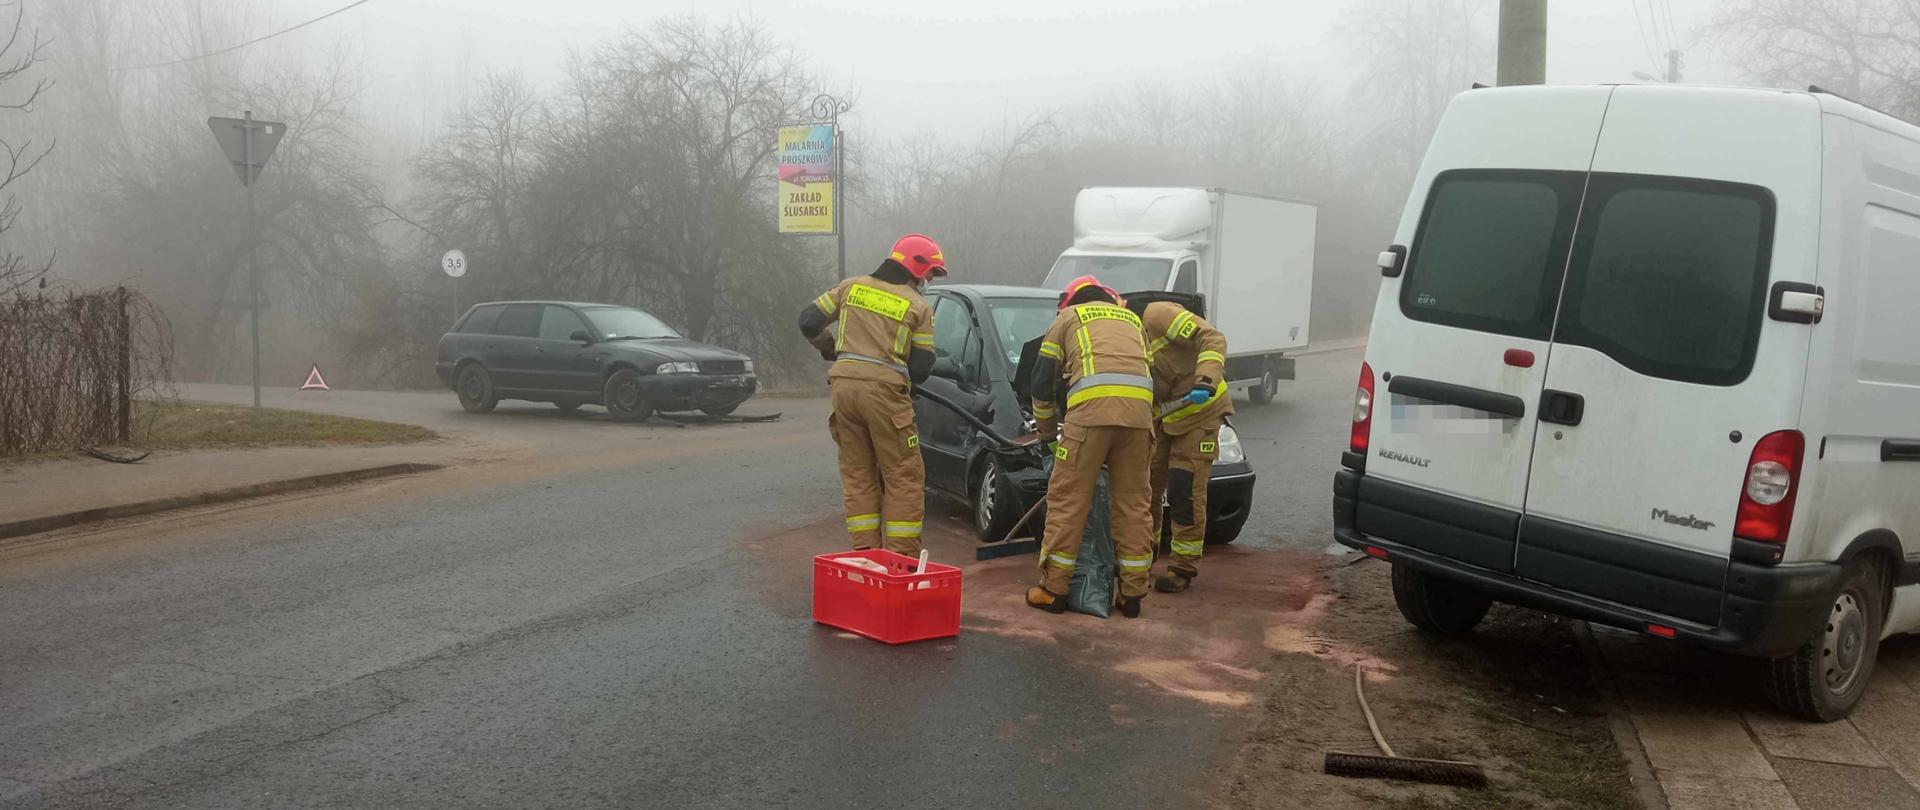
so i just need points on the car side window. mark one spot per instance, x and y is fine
(481, 321)
(559, 323)
(519, 320)
(1188, 281)
(951, 325)
(971, 368)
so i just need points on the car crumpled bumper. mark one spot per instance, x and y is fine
(687, 392)
(1229, 497)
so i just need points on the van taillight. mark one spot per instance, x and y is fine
(1363, 410)
(1772, 482)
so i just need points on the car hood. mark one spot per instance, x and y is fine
(672, 349)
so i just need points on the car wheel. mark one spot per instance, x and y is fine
(567, 405)
(1828, 675)
(994, 508)
(475, 387)
(721, 410)
(1438, 605)
(1262, 392)
(625, 399)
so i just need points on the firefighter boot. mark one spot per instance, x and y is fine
(1038, 597)
(1174, 582)
(1130, 606)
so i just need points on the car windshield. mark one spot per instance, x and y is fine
(616, 323)
(1018, 320)
(1123, 273)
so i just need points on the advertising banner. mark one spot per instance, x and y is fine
(806, 179)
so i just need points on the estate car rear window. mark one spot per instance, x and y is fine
(1490, 249)
(481, 321)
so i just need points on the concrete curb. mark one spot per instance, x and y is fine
(1647, 787)
(32, 526)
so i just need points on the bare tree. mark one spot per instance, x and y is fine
(21, 51)
(1868, 50)
(1415, 56)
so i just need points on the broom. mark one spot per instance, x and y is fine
(1435, 771)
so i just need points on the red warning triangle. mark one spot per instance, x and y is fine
(315, 382)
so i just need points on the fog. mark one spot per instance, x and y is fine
(619, 151)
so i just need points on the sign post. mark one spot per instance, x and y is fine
(247, 144)
(454, 264)
(813, 160)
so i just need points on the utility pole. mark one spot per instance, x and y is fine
(253, 254)
(1673, 67)
(1523, 42)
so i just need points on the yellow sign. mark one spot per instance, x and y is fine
(806, 179)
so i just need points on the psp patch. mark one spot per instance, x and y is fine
(1187, 329)
(912, 442)
(1208, 447)
(1060, 452)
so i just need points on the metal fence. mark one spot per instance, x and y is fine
(72, 364)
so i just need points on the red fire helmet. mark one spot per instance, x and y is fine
(920, 255)
(1083, 282)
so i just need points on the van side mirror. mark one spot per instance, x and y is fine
(1796, 302)
(1393, 260)
(580, 336)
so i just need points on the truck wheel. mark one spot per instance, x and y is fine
(1262, 392)
(994, 508)
(1828, 675)
(625, 400)
(1438, 605)
(475, 387)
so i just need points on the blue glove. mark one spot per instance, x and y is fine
(1199, 395)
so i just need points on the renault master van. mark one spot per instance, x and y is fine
(1650, 357)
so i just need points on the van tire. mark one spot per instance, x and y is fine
(1802, 684)
(1262, 392)
(1438, 605)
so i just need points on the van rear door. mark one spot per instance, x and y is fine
(1458, 348)
(1664, 369)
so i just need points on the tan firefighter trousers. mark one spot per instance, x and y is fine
(881, 475)
(1076, 470)
(1182, 469)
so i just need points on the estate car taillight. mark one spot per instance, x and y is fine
(1363, 410)
(1767, 496)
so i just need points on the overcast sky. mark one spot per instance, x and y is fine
(958, 67)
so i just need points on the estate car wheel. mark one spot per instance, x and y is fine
(475, 387)
(1828, 675)
(1262, 392)
(1437, 605)
(626, 400)
(994, 508)
(720, 410)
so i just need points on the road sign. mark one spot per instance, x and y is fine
(454, 262)
(247, 159)
(315, 382)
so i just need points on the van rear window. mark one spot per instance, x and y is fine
(1669, 276)
(1490, 250)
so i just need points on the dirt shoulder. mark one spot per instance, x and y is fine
(1516, 696)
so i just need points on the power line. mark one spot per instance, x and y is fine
(254, 41)
(1673, 34)
(1644, 44)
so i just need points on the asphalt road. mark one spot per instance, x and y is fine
(595, 614)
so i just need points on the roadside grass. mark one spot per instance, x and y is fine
(176, 425)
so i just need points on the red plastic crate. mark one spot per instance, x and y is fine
(896, 607)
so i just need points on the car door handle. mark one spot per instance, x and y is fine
(1562, 407)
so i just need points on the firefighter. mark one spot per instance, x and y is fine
(882, 347)
(1093, 365)
(1189, 357)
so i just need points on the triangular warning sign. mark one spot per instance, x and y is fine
(315, 382)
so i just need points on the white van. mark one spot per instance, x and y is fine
(1648, 356)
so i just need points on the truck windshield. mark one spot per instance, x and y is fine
(1018, 320)
(622, 322)
(1123, 273)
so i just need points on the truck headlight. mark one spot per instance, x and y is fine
(678, 368)
(749, 367)
(1230, 450)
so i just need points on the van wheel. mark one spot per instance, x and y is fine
(626, 400)
(475, 387)
(1262, 392)
(1828, 675)
(1438, 605)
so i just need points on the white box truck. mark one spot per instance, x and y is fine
(1249, 255)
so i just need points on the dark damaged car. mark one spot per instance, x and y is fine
(571, 354)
